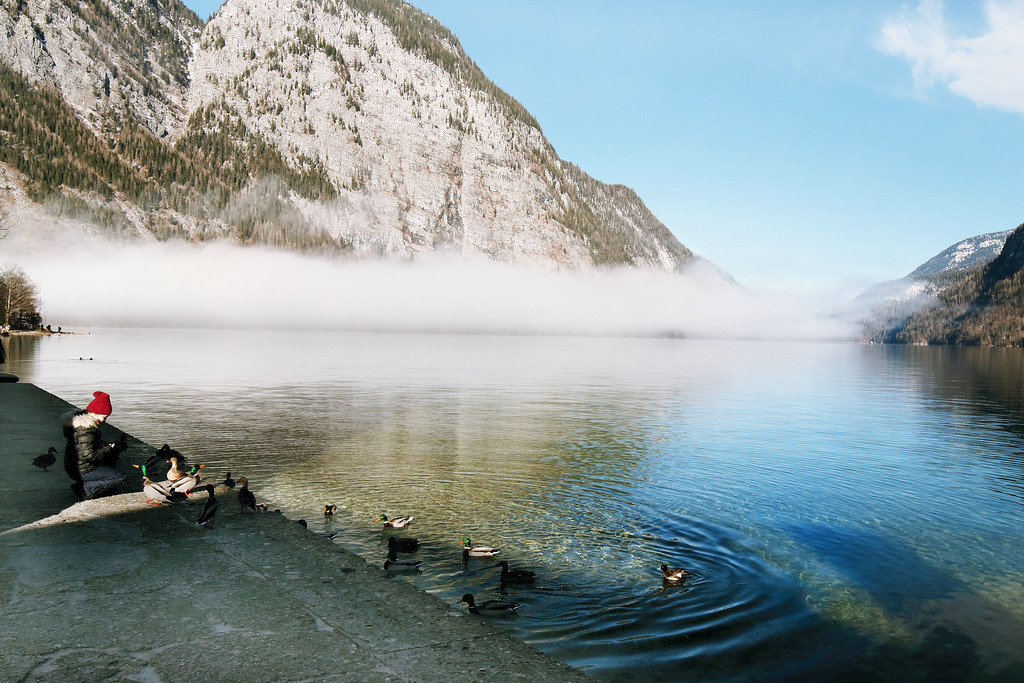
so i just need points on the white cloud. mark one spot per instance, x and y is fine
(988, 69)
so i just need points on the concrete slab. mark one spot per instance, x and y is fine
(119, 589)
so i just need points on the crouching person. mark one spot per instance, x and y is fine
(87, 459)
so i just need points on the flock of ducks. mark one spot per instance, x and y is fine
(182, 480)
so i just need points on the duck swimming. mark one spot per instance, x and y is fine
(396, 523)
(515, 575)
(330, 509)
(673, 573)
(404, 545)
(470, 550)
(489, 607)
(402, 566)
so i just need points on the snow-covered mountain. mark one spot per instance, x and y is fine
(887, 305)
(969, 253)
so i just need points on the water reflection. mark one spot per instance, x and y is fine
(942, 614)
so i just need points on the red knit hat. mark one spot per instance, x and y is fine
(100, 404)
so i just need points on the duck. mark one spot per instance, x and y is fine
(330, 509)
(165, 453)
(46, 459)
(228, 481)
(174, 474)
(246, 499)
(396, 523)
(153, 464)
(209, 509)
(157, 493)
(470, 550)
(673, 573)
(400, 566)
(189, 481)
(515, 575)
(404, 545)
(489, 607)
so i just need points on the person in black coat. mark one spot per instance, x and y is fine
(88, 460)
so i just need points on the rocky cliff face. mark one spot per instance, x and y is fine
(103, 56)
(356, 126)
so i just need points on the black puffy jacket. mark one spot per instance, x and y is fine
(85, 449)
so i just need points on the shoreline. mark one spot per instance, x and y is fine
(117, 588)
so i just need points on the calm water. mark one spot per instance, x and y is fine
(848, 512)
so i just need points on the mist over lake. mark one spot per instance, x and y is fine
(846, 511)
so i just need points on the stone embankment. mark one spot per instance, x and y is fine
(118, 589)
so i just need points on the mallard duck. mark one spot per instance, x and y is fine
(246, 499)
(154, 464)
(402, 544)
(673, 573)
(470, 550)
(174, 474)
(330, 509)
(157, 493)
(46, 459)
(188, 481)
(165, 453)
(209, 509)
(396, 523)
(489, 607)
(515, 575)
(402, 566)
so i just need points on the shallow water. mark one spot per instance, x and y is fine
(847, 512)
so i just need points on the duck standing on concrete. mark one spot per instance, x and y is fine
(188, 481)
(489, 608)
(175, 473)
(246, 499)
(209, 510)
(46, 459)
(157, 493)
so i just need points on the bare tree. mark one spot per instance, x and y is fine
(4, 227)
(19, 299)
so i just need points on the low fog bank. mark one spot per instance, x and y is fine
(177, 285)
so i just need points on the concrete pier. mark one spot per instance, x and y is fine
(119, 589)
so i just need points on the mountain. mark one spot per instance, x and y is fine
(970, 294)
(355, 127)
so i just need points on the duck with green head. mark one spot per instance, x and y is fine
(470, 550)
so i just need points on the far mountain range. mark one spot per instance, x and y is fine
(969, 294)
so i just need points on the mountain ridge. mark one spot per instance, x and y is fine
(356, 127)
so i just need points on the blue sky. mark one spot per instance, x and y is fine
(801, 145)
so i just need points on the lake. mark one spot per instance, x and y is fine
(847, 512)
